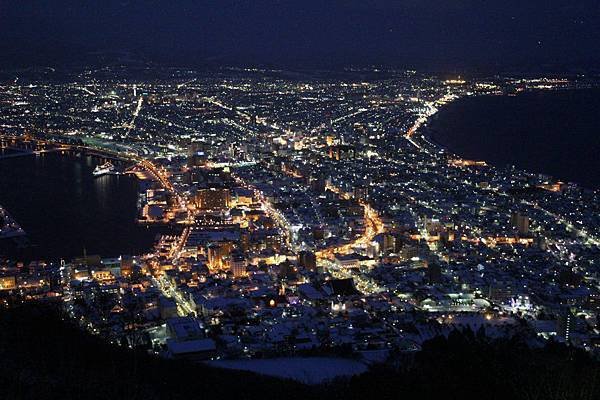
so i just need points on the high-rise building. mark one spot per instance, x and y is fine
(308, 260)
(387, 243)
(520, 222)
(167, 308)
(318, 184)
(197, 154)
(501, 292)
(218, 253)
(126, 266)
(361, 192)
(196, 147)
(237, 264)
(434, 273)
(213, 198)
(215, 256)
(244, 240)
(342, 152)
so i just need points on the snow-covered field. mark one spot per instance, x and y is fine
(311, 370)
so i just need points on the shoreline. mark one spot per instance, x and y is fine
(7, 219)
(38, 239)
(436, 135)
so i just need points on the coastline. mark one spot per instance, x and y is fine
(457, 135)
(9, 222)
(59, 193)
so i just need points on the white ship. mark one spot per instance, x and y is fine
(105, 169)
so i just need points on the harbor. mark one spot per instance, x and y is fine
(64, 208)
(9, 227)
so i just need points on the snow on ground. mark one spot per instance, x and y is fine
(311, 370)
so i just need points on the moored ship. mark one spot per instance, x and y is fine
(105, 169)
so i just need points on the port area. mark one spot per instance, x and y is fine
(9, 227)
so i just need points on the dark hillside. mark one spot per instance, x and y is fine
(44, 357)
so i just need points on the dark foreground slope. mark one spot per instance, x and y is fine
(465, 366)
(43, 357)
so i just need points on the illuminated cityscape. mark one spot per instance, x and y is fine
(306, 209)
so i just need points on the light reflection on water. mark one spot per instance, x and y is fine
(65, 209)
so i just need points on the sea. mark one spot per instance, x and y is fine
(66, 211)
(555, 133)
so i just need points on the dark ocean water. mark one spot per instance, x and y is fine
(550, 132)
(63, 208)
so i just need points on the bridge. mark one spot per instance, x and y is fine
(151, 170)
(16, 151)
(19, 152)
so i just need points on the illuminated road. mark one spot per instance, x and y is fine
(373, 227)
(283, 224)
(184, 307)
(138, 108)
(373, 223)
(432, 108)
(589, 239)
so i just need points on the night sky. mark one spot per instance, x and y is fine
(442, 34)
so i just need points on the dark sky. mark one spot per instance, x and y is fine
(441, 34)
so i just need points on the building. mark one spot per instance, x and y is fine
(195, 350)
(184, 328)
(237, 265)
(318, 184)
(212, 198)
(167, 307)
(361, 192)
(520, 222)
(8, 283)
(197, 154)
(308, 260)
(243, 197)
(501, 292)
(434, 273)
(218, 252)
(126, 266)
(346, 261)
(187, 339)
(342, 152)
